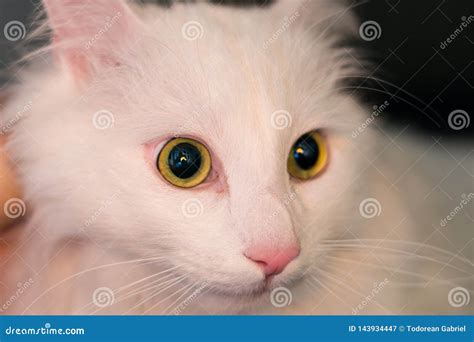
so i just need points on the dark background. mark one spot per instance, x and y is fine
(423, 82)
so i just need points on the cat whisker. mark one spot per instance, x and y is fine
(157, 284)
(392, 95)
(364, 243)
(322, 285)
(396, 252)
(78, 274)
(131, 293)
(185, 288)
(144, 279)
(350, 288)
(379, 80)
(393, 271)
(175, 282)
(124, 297)
(317, 288)
(191, 287)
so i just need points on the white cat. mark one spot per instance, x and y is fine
(262, 222)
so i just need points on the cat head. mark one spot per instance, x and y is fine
(240, 88)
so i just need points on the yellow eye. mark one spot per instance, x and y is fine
(308, 156)
(184, 162)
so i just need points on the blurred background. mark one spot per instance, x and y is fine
(433, 76)
(422, 52)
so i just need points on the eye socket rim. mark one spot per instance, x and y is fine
(198, 178)
(299, 173)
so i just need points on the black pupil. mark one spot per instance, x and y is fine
(184, 160)
(306, 152)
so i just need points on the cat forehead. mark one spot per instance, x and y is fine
(198, 69)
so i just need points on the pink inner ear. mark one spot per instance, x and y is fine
(87, 34)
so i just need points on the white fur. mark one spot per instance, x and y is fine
(94, 197)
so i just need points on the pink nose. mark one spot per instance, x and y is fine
(272, 261)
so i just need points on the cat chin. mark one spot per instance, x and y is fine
(237, 301)
(257, 290)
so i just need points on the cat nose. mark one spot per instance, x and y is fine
(272, 261)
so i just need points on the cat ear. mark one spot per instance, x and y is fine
(88, 35)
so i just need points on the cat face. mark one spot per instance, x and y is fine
(247, 89)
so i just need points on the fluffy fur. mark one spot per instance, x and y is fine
(100, 216)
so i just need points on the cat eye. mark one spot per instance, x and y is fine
(184, 162)
(308, 156)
